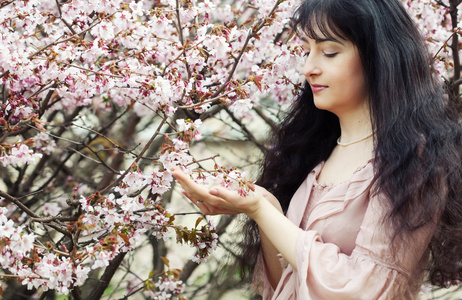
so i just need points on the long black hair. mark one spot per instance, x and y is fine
(418, 139)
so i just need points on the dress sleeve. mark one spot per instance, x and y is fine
(374, 270)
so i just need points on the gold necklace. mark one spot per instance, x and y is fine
(354, 142)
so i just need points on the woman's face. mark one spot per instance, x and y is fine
(334, 71)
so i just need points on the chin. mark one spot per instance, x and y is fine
(322, 105)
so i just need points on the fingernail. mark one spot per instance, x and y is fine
(213, 191)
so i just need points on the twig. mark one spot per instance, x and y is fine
(267, 120)
(116, 146)
(444, 44)
(18, 204)
(53, 219)
(190, 265)
(6, 3)
(204, 159)
(4, 74)
(69, 38)
(180, 32)
(64, 21)
(146, 147)
(441, 3)
(96, 72)
(100, 159)
(207, 101)
(246, 131)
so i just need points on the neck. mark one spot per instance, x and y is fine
(355, 126)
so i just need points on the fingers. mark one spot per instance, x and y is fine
(217, 200)
(197, 193)
(221, 193)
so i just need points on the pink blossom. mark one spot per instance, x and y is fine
(20, 155)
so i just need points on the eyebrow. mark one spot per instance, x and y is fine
(322, 40)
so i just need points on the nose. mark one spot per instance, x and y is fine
(311, 67)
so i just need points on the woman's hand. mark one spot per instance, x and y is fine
(219, 200)
(279, 233)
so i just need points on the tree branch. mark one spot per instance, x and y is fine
(249, 135)
(18, 203)
(180, 32)
(146, 147)
(107, 276)
(62, 19)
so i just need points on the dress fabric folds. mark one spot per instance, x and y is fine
(344, 247)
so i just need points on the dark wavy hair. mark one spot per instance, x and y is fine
(418, 138)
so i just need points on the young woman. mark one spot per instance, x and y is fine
(362, 192)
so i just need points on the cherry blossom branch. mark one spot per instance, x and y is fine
(114, 145)
(251, 33)
(42, 162)
(96, 72)
(29, 212)
(45, 158)
(77, 35)
(86, 156)
(17, 276)
(53, 219)
(62, 19)
(45, 101)
(457, 82)
(211, 100)
(182, 53)
(100, 159)
(455, 32)
(54, 250)
(196, 161)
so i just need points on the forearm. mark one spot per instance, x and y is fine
(278, 231)
(271, 260)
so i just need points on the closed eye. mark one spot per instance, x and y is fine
(330, 54)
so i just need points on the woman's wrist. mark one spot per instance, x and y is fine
(261, 205)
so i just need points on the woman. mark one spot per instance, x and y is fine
(362, 192)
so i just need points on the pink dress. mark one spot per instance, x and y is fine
(344, 247)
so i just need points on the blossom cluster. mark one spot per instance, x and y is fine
(31, 262)
(205, 241)
(433, 21)
(167, 288)
(18, 154)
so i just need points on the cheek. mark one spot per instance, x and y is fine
(355, 77)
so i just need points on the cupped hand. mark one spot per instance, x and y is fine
(219, 200)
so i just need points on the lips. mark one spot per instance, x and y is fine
(316, 88)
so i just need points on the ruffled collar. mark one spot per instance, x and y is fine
(335, 200)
